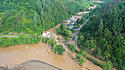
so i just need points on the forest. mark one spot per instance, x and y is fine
(104, 35)
(35, 16)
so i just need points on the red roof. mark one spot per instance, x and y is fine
(45, 31)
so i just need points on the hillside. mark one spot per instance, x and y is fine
(104, 35)
(34, 16)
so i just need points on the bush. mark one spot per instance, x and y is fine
(45, 40)
(108, 65)
(72, 47)
(94, 61)
(80, 59)
(83, 53)
(58, 49)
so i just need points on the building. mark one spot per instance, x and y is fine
(45, 34)
(82, 13)
(35, 65)
(68, 21)
(93, 7)
(77, 17)
(98, 1)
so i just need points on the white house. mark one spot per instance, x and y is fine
(82, 13)
(68, 21)
(93, 7)
(45, 34)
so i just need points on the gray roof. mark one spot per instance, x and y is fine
(35, 65)
(4, 68)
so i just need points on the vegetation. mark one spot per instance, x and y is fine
(63, 31)
(5, 42)
(104, 34)
(34, 16)
(95, 62)
(107, 65)
(72, 47)
(83, 53)
(58, 49)
(80, 59)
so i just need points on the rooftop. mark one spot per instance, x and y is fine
(35, 65)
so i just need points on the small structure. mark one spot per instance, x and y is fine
(60, 37)
(68, 21)
(98, 1)
(77, 17)
(93, 7)
(45, 34)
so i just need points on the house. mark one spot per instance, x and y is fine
(77, 17)
(68, 21)
(93, 7)
(45, 34)
(98, 1)
(82, 13)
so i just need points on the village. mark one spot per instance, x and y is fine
(69, 23)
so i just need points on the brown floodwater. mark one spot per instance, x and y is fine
(14, 55)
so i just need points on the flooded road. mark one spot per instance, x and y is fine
(21, 53)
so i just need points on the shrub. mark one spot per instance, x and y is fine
(80, 59)
(72, 47)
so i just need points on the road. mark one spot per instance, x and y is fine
(9, 36)
(78, 31)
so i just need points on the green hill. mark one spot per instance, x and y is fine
(104, 35)
(34, 16)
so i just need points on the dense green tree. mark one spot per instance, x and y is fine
(108, 34)
(100, 27)
(35, 16)
(80, 40)
(107, 65)
(63, 31)
(90, 44)
(83, 53)
(58, 49)
(98, 52)
(106, 26)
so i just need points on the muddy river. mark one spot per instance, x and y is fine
(21, 53)
(14, 55)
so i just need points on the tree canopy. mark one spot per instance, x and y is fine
(105, 32)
